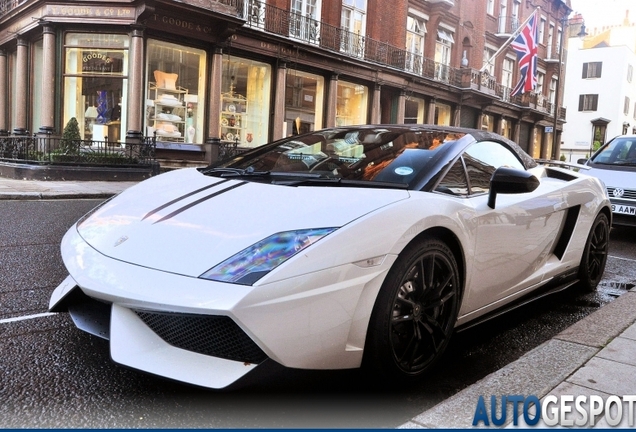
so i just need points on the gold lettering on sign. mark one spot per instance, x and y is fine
(87, 11)
(182, 24)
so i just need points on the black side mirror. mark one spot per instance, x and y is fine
(581, 161)
(510, 181)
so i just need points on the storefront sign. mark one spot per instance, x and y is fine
(182, 26)
(91, 12)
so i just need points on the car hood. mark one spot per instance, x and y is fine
(623, 178)
(185, 222)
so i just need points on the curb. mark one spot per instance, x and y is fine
(539, 371)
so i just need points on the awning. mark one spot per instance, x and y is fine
(445, 36)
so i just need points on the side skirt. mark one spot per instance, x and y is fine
(553, 286)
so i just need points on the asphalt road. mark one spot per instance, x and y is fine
(53, 375)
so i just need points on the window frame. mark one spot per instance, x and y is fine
(588, 102)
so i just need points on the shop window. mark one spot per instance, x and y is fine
(175, 91)
(245, 104)
(351, 107)
(487, 123)
(96, 84)
(506, 128)
(414, 110)
(303, 102)
(442, 114)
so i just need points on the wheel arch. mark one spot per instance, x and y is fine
(608, 213)
(452, 241)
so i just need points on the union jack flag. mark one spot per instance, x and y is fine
(526, 46)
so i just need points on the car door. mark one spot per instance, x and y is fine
(511, 242)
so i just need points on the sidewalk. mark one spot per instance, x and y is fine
(11, 189)
(595, 356)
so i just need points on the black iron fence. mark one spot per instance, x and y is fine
(47, 150)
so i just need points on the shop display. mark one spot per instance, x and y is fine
(233, 116)
(168, 115)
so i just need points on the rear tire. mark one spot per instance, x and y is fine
(415, 313)
(595, 254)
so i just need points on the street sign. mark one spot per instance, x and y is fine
(548, 129)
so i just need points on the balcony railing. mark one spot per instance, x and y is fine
(7, 6)
(48, 150)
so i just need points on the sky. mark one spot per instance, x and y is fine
(599, 13)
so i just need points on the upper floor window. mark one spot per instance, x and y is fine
(553, 86)
(415, 31)
(490, 67)
(541, 30)
(490, 8)
(353, 20)
(304, 20)
(630, 73)
(592, 69)
(516, 4)
(626, 106)
(540, 82)
(550, 38)
(507, 70)
(443, 47)
(588, 102)
(353, 16)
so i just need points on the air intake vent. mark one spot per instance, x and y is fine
(216, 336)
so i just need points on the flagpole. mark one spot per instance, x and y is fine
(510, 39)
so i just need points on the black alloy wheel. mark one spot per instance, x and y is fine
(595, 254)
(415, 313)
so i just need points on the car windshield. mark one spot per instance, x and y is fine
(350, 154)
(620, 151)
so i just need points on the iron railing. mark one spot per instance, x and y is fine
(46, 150)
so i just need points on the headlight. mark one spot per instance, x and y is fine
(254, 262)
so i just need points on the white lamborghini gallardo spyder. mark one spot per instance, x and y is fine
(346, 247)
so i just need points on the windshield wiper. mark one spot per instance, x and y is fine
(227, 172)
(234, 172)
(337, 181)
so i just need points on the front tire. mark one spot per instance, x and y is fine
(595, 254)
(415, 312)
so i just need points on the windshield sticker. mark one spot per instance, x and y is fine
(404, 171)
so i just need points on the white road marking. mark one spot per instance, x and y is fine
(621, 258)
(26, 317)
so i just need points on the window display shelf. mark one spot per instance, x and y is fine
(233, 119)
(168, 116)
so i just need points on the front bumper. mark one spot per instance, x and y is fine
(181, 327)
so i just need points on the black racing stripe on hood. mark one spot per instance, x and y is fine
(168, 204)
(199, 201)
